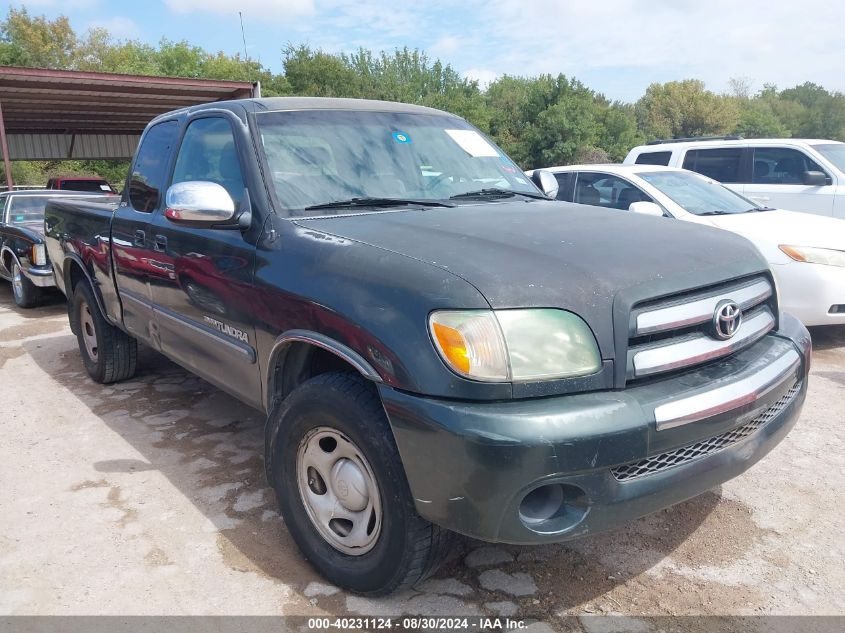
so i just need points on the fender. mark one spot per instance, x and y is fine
(75, 259)
(319, 340)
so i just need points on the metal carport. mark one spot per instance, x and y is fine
(65, 114)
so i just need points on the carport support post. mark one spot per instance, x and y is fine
(6, 163)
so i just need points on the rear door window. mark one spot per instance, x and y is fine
(150, 168)
(654, 158)
(781, 166)
(723, 164)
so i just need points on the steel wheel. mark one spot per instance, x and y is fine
(17, 281)
(339, 491)
(89, 334)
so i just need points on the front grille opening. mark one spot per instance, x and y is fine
(691, 452)
(673, 349)
(657, 337)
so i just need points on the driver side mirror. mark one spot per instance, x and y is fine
(199, 203)
(816, 178)
(646, 208)
(545, 181)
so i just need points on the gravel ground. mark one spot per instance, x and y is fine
(148, 497)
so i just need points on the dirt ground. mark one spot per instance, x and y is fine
(148, 497)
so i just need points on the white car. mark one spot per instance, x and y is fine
(806, 252)
(805, 175)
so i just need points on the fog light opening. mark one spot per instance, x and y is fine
(541, 504)
(837, 309)
(553, 508)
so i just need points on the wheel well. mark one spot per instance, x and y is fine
(7, 260)
(75, 275)
(300, 361)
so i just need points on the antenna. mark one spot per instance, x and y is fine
(243, 35)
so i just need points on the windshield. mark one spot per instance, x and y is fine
(834, 152)
(318, 157)
(696, 194)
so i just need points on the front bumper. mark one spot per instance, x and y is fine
(808, 291)
(41, 276)
(490, 469)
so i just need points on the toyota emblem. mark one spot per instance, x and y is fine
(726, 320)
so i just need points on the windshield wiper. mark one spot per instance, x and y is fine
(494, 192)
(763, 209)
(715, 213)
(377, 202)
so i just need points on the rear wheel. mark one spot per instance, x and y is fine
(108, 353)
(26, 293)
(342, 489)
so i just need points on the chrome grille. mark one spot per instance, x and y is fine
(686, 454)
(676, 333)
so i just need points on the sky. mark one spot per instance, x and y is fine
(617, 47)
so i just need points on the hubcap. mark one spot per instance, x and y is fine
(17, 280)
(89, 334)
(339, 491)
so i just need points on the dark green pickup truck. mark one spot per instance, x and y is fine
(439, 347)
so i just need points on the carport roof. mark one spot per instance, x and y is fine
(41, 101)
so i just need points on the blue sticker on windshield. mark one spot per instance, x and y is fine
(401, 137)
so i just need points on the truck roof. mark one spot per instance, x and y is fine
(281, 104)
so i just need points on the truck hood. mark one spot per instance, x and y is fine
(588, 260)
(785, 227)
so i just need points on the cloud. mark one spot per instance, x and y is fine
(118, 27)
(445, 46)
(62, 4)
(483, 76)
(265, 10)
(768, 41)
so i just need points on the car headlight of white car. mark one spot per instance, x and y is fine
(813, 255)
(517, 345)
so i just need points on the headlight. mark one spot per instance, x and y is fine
(518, 345)
(39, 255)
(813, 255)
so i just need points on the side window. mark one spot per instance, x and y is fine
(149, 169)
(563, 181)
(654, 158)
(723, 164)
(208, 153)
(781, 166)
(602, 190)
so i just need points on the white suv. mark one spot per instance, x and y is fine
(797, 174)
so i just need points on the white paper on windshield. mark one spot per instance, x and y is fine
(472, 143)
(105, 187)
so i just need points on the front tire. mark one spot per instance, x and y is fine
(26, 293)
(108, 353)
(342, 489)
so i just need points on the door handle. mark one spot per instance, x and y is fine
(140, 238)
(160, 243)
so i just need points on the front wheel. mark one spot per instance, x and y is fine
(26, 293)
(108, 353)
(342, 490)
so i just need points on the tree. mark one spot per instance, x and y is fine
(37, 41)
(685, 108)
(823, 113)
(756, 120)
